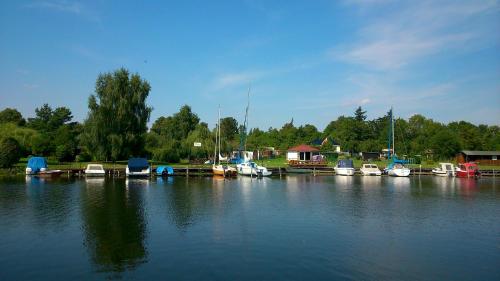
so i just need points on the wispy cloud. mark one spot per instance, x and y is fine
(418, 29)
(64, 6)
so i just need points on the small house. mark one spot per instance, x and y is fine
(481, 157)
(304, 155)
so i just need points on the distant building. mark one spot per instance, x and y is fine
(328, 140)
(304, 155)
(369, 156)
(481, 157)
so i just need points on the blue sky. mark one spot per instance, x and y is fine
(307, 60)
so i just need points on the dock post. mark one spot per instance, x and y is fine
(279, 169)
(187, 171)
(420, 173)
(314, 171)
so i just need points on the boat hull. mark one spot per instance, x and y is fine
(399, 172)
(224, 171)
(370, 173)
(344, 171)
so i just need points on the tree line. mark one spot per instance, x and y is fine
(116, 129)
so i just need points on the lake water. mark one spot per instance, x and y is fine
(294, 228)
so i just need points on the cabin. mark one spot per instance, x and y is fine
(305, 155)
(480, 157)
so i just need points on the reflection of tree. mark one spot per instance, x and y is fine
(114, 225)
(182, 205)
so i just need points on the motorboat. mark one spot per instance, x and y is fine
(370, 170)
(467, 170)
(444, 170)
(251, 168)
(49, 173)
(137, 167)
(95, 170)
(344, 168)
(35, 164)
(164, 171)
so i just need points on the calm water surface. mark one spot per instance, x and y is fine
(295, 228)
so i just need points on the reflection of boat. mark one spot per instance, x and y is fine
(370, 170)
(467, 170)
(396, 167)
(94, 181)
(344, 168)
(95, 170)
(133, 182)
(444, 170)
(137, 167)
(251, 168)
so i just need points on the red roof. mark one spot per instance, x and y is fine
(303, 148)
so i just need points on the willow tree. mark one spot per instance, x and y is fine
(118, 115)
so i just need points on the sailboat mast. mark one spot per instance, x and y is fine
(218, 130)
(392, 122)
(246, 117)
(215, 146)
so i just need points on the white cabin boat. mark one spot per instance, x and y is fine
(95, 170)
(398, 170)
(138, 167)
(344, 168)
(444, 170)
(251, 168)
(370, 170)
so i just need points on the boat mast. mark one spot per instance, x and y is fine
(393, 144)
(218, 129)
(215, 146)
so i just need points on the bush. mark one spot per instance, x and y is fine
(64, 152)
(9, 152)
(83, 157)
(166, 154)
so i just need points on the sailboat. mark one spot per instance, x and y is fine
(217, 168)
(246, 166)
(396, 167)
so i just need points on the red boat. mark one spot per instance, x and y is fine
(467, 170)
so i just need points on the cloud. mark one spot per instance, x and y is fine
(64, 6)
(416, 30)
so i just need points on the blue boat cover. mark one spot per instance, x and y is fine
(137, 164)
(36, 163)
(347, 163)
(395, 161)
(164, 169)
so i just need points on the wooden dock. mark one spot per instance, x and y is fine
(203, 171)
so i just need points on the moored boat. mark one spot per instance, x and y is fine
(219, 169)
(35, 165)
(344, 167)
(396, 167)
(251, 168)
(95, 170)
(467, 170)
(444, 170)
(370, 170)
(164, 171)
(137, 167)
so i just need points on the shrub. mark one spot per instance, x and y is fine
(9, 152)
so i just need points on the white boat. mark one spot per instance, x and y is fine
(95, 170)
(251, 168)
(370, 170)
(398, 170)
(137, 167)
(397, 166)
(444, 170)
(344, 168)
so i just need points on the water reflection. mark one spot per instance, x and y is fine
(114, 223)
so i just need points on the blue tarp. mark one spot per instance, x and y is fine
(167, 170)
(36, 163)
(137, 164)
(395, 161)
(345, 164)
